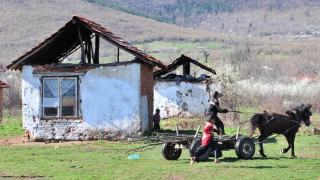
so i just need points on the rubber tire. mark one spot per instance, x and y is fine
(193, 148)
(169, 152)
(245, 148)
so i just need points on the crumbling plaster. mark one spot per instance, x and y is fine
(187, 99)
(110, 105)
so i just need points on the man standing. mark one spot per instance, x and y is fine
(214, 109)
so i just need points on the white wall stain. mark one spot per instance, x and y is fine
(187, 99)
(31, 100)
(110, 99)
(144, 113)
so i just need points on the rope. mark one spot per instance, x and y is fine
(243, 112)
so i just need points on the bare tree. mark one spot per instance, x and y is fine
(206, 54)
(12, 95)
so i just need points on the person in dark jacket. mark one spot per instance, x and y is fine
(156, 120)
(214, 109)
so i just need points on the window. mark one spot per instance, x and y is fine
(60, 97)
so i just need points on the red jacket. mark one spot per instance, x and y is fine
(207, 134)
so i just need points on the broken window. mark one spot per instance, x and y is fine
(59, 97)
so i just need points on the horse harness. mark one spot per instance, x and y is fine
(269, 120)
(285, 131)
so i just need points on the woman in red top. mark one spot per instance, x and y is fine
(207, 141)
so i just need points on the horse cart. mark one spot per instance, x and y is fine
(171, 150)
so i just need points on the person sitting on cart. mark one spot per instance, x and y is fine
(214, 109)
(208, 143)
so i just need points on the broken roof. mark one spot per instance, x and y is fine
(3, 85)
(66, 40)
(180, 61)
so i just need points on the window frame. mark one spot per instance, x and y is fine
(59, 111)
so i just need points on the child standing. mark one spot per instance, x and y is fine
(156, 120)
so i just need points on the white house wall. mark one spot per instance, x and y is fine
(110, 105)
(111, 98)
(31, 99)
(187, 99)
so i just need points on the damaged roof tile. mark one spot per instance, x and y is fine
(67, 36)
(178, 62)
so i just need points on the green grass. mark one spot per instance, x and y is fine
(109, 160)
(11, 126)
(316, 116)
(276, 56)
(247, 113)
(180, 45)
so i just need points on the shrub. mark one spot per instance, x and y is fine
(279, 96)
(12, 95)
(227, 76)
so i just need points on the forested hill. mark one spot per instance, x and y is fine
(259, 18)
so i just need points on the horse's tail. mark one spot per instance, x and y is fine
(255, 121)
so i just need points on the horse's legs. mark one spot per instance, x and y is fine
(261, 138)
(290, 139)
(285, 150)
(293, 136)
(264, 133)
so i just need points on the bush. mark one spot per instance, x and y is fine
(227, 76)
(12, 95)
(279, 96)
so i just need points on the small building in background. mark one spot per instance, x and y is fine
(86, 100)
(309, 78)
(2, 85)
(183, 95)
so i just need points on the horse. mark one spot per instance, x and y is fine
(286, 124)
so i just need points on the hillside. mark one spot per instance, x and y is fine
(290, 20)
(24, 24)
(267, 45)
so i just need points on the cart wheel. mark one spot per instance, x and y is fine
(169, 152)
(196, 144)
(244, 148)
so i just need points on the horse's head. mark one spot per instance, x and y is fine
(304, 113)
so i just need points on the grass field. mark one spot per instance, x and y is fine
(109, 160)
(11, 126)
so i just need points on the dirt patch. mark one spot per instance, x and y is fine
(19, 141)
(4, 173)
(174, 177)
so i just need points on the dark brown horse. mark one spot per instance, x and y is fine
(286, 124)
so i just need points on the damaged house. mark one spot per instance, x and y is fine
(90, 99)
(183, 95)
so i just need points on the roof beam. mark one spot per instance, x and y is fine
(81, 44)
(96, 53)
(121, 47)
